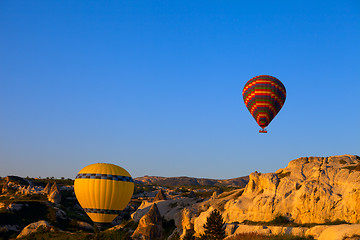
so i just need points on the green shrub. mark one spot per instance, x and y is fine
(283, 174)
(255, 236)
(280, 219)
(214, 227)
(353, 168)
(336, 222)
(203, 194)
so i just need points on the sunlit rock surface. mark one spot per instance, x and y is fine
(150, 225)
(34, 227)
(308, 190)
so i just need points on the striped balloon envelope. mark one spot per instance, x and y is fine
(264, 96)
(103, 190)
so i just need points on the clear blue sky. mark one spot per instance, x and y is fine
(155, 86)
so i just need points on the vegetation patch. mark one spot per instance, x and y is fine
(29, 213)
(255, 236)
(283, 174)
(342, 161)
(353, 168)
(284, 221)
(336, 222)
(204, 194)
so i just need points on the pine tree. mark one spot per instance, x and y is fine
(214, 226)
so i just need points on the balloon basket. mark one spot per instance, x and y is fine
(263, 131)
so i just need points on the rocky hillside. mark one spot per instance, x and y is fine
(309, 191)
(189, 181)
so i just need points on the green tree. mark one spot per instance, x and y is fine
(214, 227)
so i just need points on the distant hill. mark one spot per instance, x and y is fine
(190, 181)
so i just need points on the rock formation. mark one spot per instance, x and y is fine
(150, 225)
(169, 209)
(54, 195)
(15, 180)
(54, 187)
(160, 196)
(85, 226)
(340, 232)
(5, 188)
(47, 188)
(34, 227)
(192, 194)
(308, 190)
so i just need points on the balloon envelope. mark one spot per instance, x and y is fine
(103, 190)
(264, 96)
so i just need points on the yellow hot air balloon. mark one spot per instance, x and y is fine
(103, 190)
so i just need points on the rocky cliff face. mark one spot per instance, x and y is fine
(150, 225)
(308, 190)
(34, 227)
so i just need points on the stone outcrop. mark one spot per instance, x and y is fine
(19, 185)
(184, 221)
(34, 227)
(150, 225)
(308, 190)
(160, 196)
(54, 195)
(5, 188)
(195, 216)
(47, 188)
(54, 188)
(84, 225)
(340, 232)
(15, 180)
(169, 209)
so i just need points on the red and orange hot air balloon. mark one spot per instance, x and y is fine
(264, 96)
